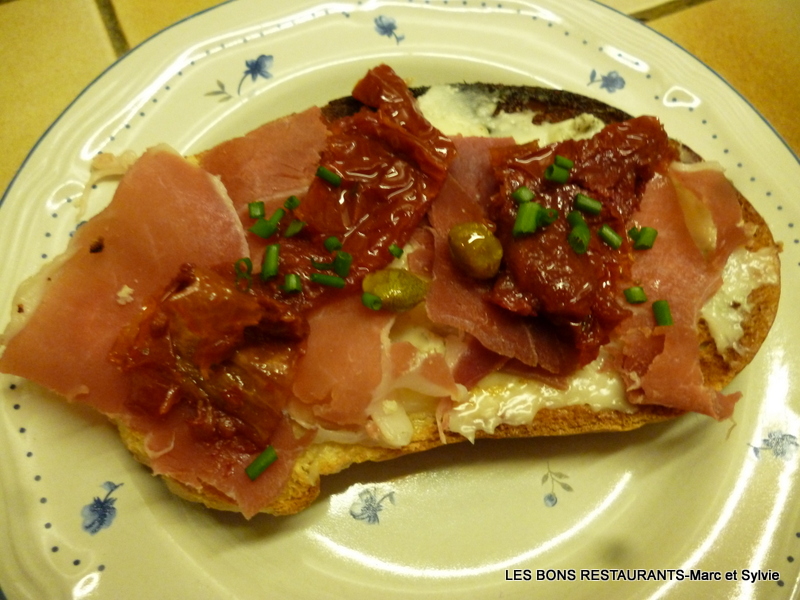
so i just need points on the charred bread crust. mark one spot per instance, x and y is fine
(719, 368)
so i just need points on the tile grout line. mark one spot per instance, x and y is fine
(665, 9)
(113, 27)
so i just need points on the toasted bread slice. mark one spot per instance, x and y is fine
(719, 367)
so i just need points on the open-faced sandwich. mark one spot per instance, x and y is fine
(398, 270)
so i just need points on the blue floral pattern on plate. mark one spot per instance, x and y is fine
(782, 445)
(611, 82)
(554, 477)
(388, 26)
(259, 67)
(368, 505)
(100, 513)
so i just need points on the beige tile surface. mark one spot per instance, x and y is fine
(139, 19)
(50, 50)
(753, 45)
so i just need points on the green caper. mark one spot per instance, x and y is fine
(475, 250)
(398, 289)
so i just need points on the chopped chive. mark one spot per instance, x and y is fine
(609, 236)
(256, 209)
(342, 262)
(588, 205)
(575, 218)
(546, 217)
(371, 301)
(332, 244)
(263, 228)
(269, 268)
(579, 239)
(328, 280)
(292, 283)
(295, 227)
(267, 227)
(644, 239)
(634, 233)
(563, 162)
(523, 194)
(277, 216)
(527, 216)
(261, 462)
(556, 174)
(244, 269)
(395, 251)
(327, 175)
(291, 203)
(662, 312)
(322, 266)
(635, 295)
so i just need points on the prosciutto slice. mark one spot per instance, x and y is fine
(457, 300)
(139, 241)
(268, 164)
(661, 364)
(138, 244)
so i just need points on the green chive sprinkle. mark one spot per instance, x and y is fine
(635, 295)
(277, 216)
(267, 227)
(263, 228)
(563, 162)
(256, 209)
(395, 251)
(332, 244)
(587, 205)
(295, 227)
(342, 262)
(546, 217)
(322, 266)
(291, 203)
(644, 238)
(609, 236)
(328, 280)
(269, 267)
(662, 312)
(292, 283)
(556, 174)
(522, 194)
(527, 216)
(329, 176)
(575, 218)
(371, 301)
(579, 239)
(244, 270)
(261, 462)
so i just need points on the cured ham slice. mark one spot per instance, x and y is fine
(459, 301)
(342, 364)
(268, 164)
(135, 245)
(661, 364)
(138, 243)
(350, 361)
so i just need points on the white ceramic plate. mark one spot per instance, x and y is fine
(463, 521)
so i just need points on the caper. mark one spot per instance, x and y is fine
(475, 250)
(398, 289)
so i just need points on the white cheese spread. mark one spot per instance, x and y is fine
(456, 112)
(725, 312)
(501, 398)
